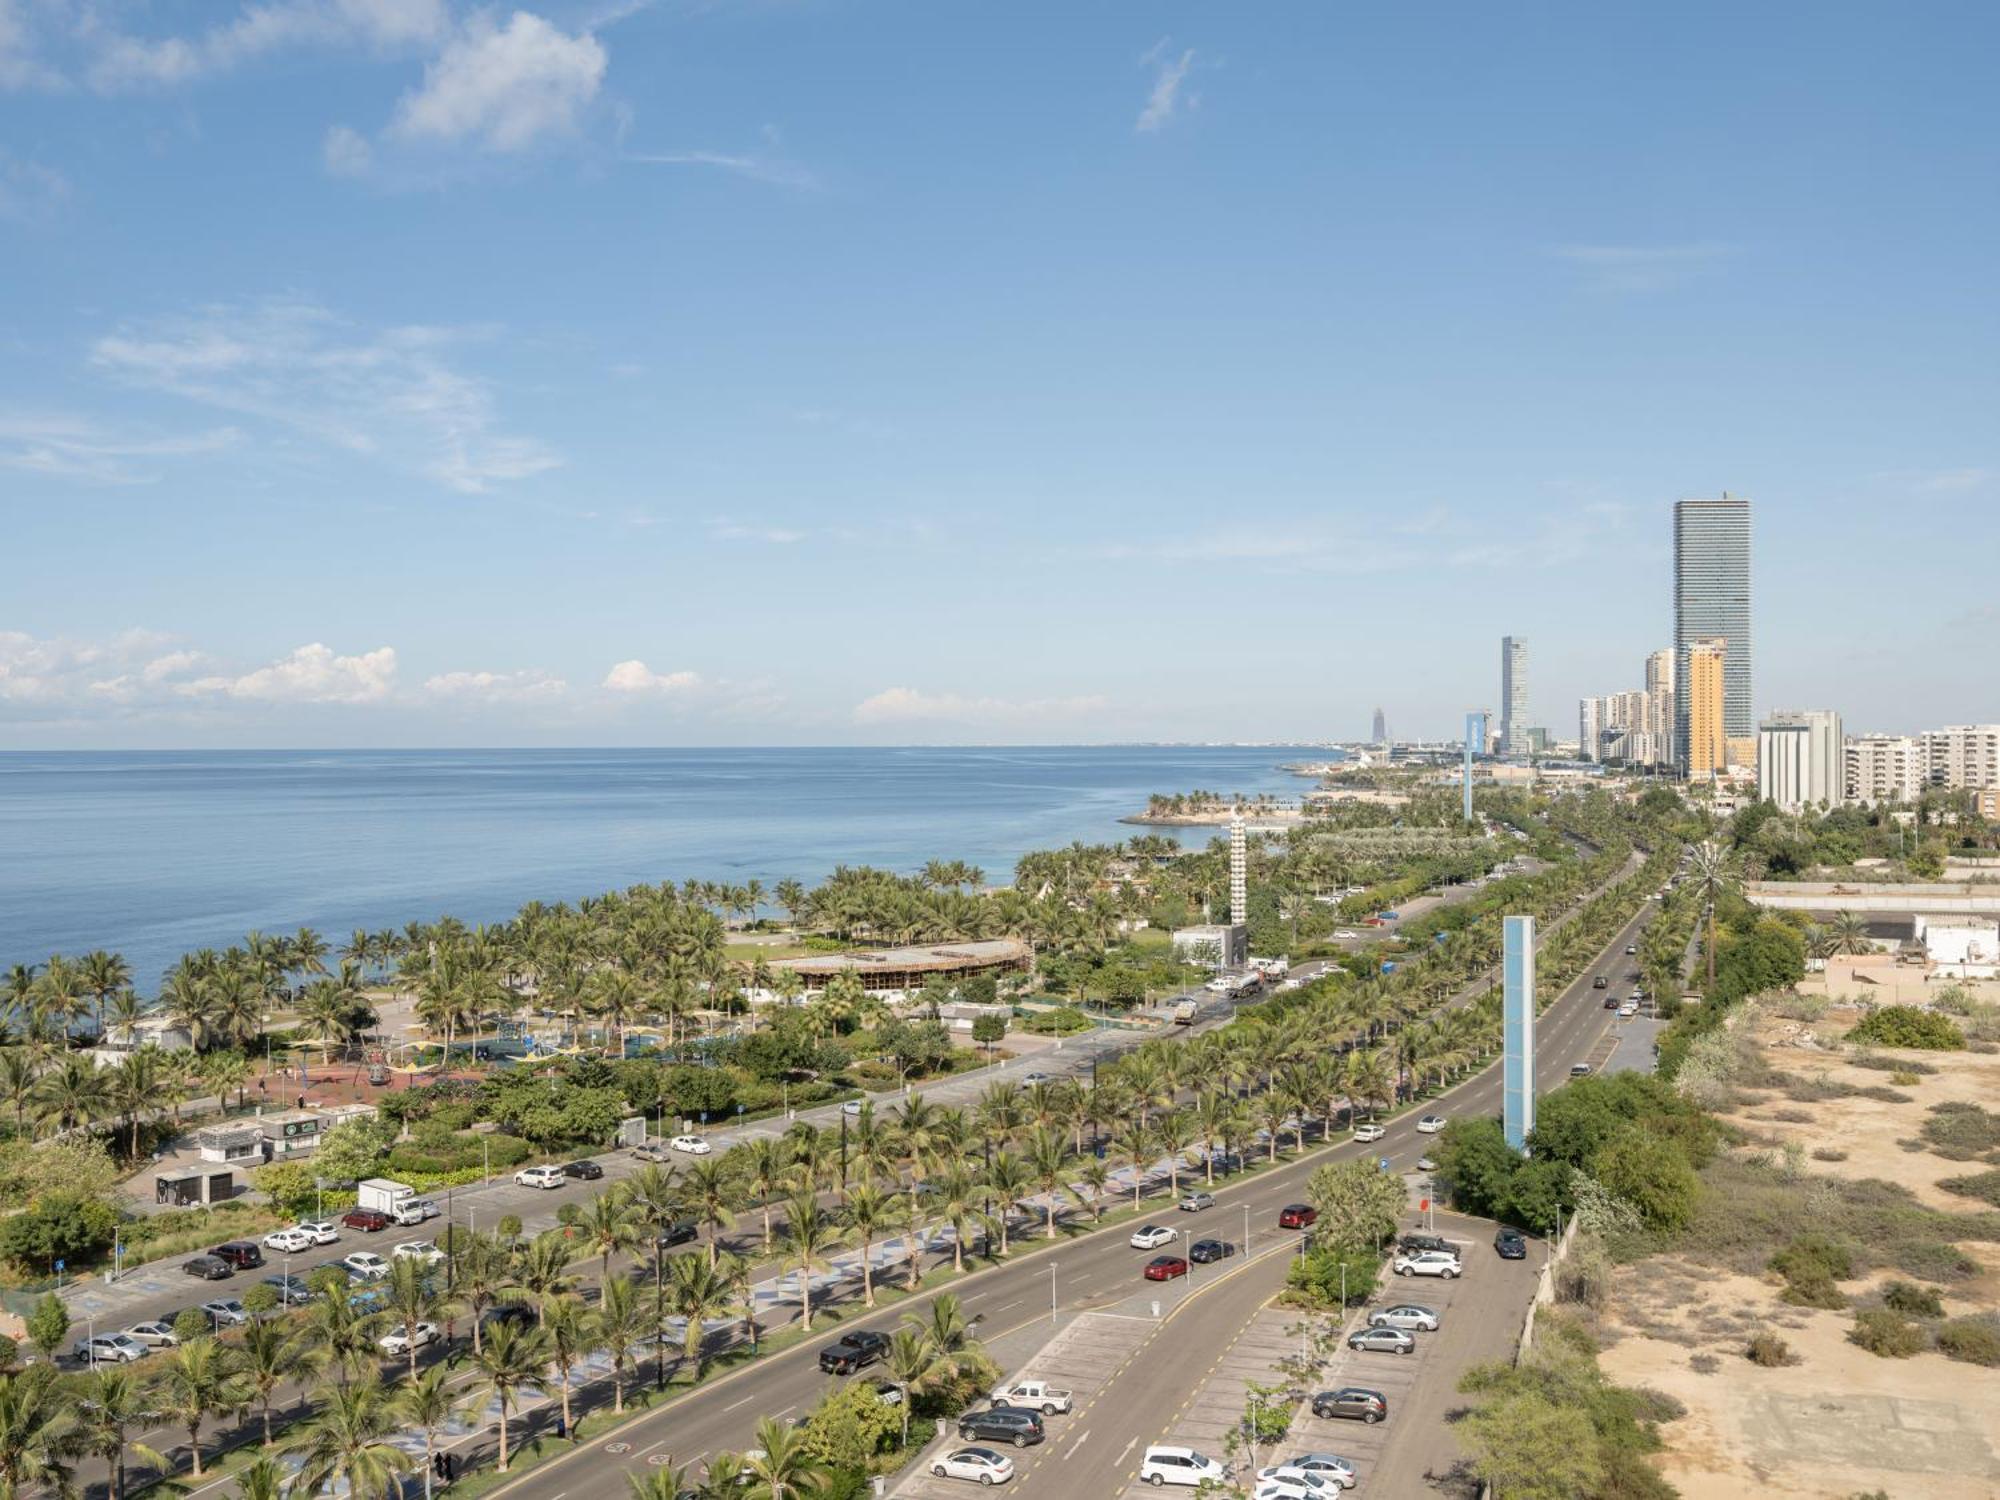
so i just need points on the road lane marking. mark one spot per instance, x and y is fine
(744, 1402)
(1125, 1450)
(1082, 1438)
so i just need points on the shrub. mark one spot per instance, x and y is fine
(1908, 1026)
(1060, 1021)
(1912, 1300)
(1889, 1334)
(60, 1225)
(191, 1323)
(1704, 1364)
(1933, 1261)
(1883, 1064)
(1903, 1076)
(1828, 1153)
(1769, 1350)
(1959, 1130)
(1814, 1255)
(1985, 1186)
(1974, 1340)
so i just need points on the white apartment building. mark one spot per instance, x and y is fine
(1589, 727)
(1885, 768)
(1801, 760)
(1963, 755)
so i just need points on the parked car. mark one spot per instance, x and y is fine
(1411, 1317)
(1579, 1070)
(1036, 1395)
(851, 1351)
(1510, 1244)
(1369, 1132)
(1295, 1487)
(1002, 1424)
(322, 1231)
(1353, 1402)
(1029, 1080)
(693, 1145)
(1297, 1216)
(426, 1251)
(540, 1177)
(1201, 1252)
(981, 1465)
(155, 1335)
(1627, 1011)
(1195, 1202)
(403, 1338)
(1428, 1263)
(372, 1220)
(225, 1312)
(647, 1151)
(1168, 1463)
(1430, 1124)
(289, 1241)
(1417, 1242)
(1152, 1236)
(208, 1268)
(1326, 1466)
(292, 1290)
(414, 1211)
(241, 1254)
(109, 1349)
(1165, 1268)
(583, 1171)
(1382, 1341)
(365, 1265)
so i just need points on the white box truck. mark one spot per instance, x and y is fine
(384, 1196)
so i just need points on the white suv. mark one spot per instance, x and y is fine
(540, 1177)
(1166, 1464)
(1428, 1263)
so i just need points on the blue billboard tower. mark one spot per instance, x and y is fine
(1475, 735)
(1517, 1022)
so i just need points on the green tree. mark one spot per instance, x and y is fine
(1478, 1166)
(195, 1381)
(1358, 1204)
(1529, 1448)
(783, 1467)
(1652, 1175)
(110, 1402)
(290, 1186)
(512, 1360)
(40, 1431)
(346, 1442)
(48, 1325)
(430, 1402)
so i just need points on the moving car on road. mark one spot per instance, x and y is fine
(1411, 1317)
(1152, 1236)
(851, 1351)
(540, 1177)
(1002, 1424)
(1297, 1216)
(1430, 1124)
(1510, 1244)
(1168, 1463)
(1369, 1132)
(1354, 1402)
(693, 1145)
(403, 1338)
(1429, 1263)
(1375, 1340)
(1201, 1252)
(680, 1232)
(1194, 1202)
(1579, 1070)
(981, 1465)
(1165, 1268)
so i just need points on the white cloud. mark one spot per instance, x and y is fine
(769, 164)
(311, 674)
(531, 685)
(1955, 481)
(29, 191)
(385, 393)
(901, 705)
(54, 670)
(21, 66)
(58, 446)
(1641, 268)
(346, 152)
(751, 531)
(1169, 75)
(504, 86)
(636, 677)
(125, 61)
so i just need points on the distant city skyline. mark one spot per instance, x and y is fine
(573, 373)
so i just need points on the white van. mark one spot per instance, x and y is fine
(1166, 1464)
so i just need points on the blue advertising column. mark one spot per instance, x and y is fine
(1517, 1020)
(1475, 734)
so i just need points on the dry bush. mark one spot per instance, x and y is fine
(1769, 1350)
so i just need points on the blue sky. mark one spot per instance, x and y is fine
(385, 372)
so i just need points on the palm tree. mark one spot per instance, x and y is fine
(870, 1210)
(195, 1381)
(480, 1274)
(947, 1333)
(711, 1192)
(1848, 933)
(429, 1401)
(40, 1431)
(1134, 1145)
(132, 1087)
(1174, 1132)
(71, 1094)
(271, 1357)
(808, 1234)
(1713, 872)
(108, 1403)
(513, 1360)
(19, 1075)
(104, 975)
(346, 1442)
(670, 1481)
(410, 1296)
(609, 1225)
(783, 1467)
(1091, 1185)
(263, 1478)
(541, 1271)
(908, 1361)
(696, 1292)
(622, 1328)
(1009, 1180)
(957, 1203)
(767, 1165)
(1048, 1157)
(568, 1323)
(338, 1330)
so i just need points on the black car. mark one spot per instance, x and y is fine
(1353, 1402)
(241, 1254)
(1510, 1245)
(1601, 982)
(680, 1232)
(1611, 1002)
(1204, 1251)
(853, 1350)
(208, 1268)
(1417, 1244)
(588, 1171)
(1002, 1424)
(518, 1314)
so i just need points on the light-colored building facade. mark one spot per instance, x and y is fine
(1513, 695)
(1963, 755)
(1712, 603)
(1705, 740)
(1589, 728)
(1884, 768)
(1801, 760)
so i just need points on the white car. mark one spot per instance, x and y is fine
(1408, 1316)
(1426, 1164)
(1166, 1463)
(323, 1232)
(852, 1106)
(693, 1145)
(402, 1339)
(1296, 1486)
(109, 1349)
(981, 1465)
(423, 1250)
(414, 1211)
(1369, 1132)
(1151, 1236)
(1627, 1011)
(540, 1177)
(1429, 1263)
(153, 1335)
(1345, 934)
(1327, 1466)
(290, 1241)
(1430, 1124)
(366, 1265)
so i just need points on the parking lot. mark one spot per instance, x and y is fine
(1215, 1409)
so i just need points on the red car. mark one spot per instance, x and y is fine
(1297, 1216)
(1165, 1268)
(370, 1219)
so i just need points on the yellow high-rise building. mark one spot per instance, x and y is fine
(1708, 751)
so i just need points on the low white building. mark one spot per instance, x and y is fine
(1960, 948)
(1214, 946)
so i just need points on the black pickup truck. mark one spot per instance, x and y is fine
(851, 1351)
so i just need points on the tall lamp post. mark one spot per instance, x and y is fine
(1052, 1294)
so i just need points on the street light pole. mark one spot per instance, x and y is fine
(1246, 1231)
(1052, 1294)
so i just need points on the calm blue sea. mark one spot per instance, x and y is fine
(155, 854)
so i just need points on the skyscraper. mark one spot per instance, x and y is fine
(1513, 695)
(1712, 601)
(1705, 702)
(1381, 735)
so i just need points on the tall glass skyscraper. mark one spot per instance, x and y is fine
(1712, 600)
(1513, 695)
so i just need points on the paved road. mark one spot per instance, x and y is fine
(1094, 1271)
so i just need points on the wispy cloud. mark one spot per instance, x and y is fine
(753, 531)
(59, 446)
(902, 705)
(1166, 98)
(531, 685)
(1954, 481)
(769, 163)
(388, 394)
(30, 193)
(1641, 268)
(124, 61)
